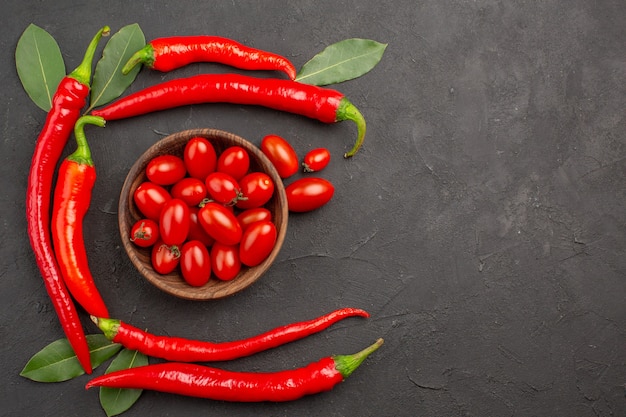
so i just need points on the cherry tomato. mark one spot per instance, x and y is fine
(196, 231)
(200, 157)
(164, 258)
(281, 154)
(150, 199)
(225, 262)
(222, 188)
(257, 242)
(144, 233)
(253, 215)
(256, 188)
(308, 194)
(191, 190)
(234, 161)
(174, 222)
(166, 170)
(195, 263)
(316, 160)
(220, 223)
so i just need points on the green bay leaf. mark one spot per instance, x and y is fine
(108, 81)
(39, 65)
(342, 61)
(57, 361)
(115, 401)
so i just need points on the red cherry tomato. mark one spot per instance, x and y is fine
(166, 170)
(225, 262)
(234, 161)
(150, 199)
(220, 223)
(195, 263)
(281, 154)
(174, 222)
(144, 233)
(256, 188)
(253, 215)
(308, 194)
(222, 188)
(200, 157)
(196, 231)
(191, 190)
(164, 258)
(257, 243)
(316, 160)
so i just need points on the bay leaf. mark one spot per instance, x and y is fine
(342, 61)
(39, 65)
(108, 81)
(57, 361)
(115, 401)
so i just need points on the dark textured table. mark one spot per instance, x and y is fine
(482, 224)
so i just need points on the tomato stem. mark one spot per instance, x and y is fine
(173, 248)
(141, 234)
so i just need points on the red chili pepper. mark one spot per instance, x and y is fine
(69, 98)
(217, 384)
(72, 197)
(323, 104)
(185, 350)
(167, 54)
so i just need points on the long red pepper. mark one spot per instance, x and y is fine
(72, 196)
(186, 350)
(217, 384)
(323, 104)
(69, 98)
(167, 54)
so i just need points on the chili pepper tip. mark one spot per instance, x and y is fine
(82, 73)
(108, 326)
(143, 56)
(82, 154)
(346, 364)
(348, 111)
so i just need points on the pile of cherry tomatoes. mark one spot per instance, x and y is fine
(204, 213)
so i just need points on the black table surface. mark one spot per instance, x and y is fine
(482, 224)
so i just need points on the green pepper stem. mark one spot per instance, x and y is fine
(346, 364)
(348, 111)
(108, 326)
(82, 154)
(143, 56)
(82, 73)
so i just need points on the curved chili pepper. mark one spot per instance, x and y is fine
(69, 98)
(323, 104)
(185, 350)
(72, 196)
(166, 54)
(217, 384)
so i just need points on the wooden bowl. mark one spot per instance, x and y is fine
(128, 214)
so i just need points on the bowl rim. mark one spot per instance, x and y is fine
(171, 283)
